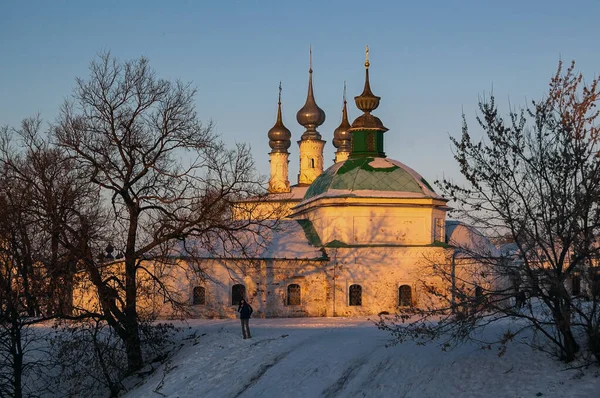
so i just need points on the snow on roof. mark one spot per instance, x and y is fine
(284, 239)
(380, 163)
(509, 249)
(468, 238)
(296, 194)
(369, 193)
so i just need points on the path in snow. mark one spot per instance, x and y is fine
(336, 357)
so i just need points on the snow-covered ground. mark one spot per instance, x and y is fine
(340, 357)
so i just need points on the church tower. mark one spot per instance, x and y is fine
(311, 145)
(367, 130)
(279, 141)
(341, 135)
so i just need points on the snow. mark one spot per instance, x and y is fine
(348, 357)
(380, 163)
(468, 238)
(283, 239)
(296, 194)
(290, 242)
(367, 193)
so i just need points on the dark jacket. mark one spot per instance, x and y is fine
(245, 311)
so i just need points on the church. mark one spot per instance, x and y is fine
(359, 238)
(355, 239)
(365, 236)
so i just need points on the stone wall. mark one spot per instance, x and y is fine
(324, 284)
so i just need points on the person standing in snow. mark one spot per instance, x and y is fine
(245, 311)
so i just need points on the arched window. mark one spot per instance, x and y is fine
(238, 292)
(478, 292)
(404, 296)
(199, 296)
(355, 293)
(312, 163)
(293, 294)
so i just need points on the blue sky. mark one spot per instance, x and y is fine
(430, 60)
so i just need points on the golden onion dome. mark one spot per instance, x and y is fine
(367, 102)
(341, 135)
(310, 115)
(279, 135)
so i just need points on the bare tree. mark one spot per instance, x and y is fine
(39, 190)
(51, 192)
(18, 305)
(167, 176)
(533, 181)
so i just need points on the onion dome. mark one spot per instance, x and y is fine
(310, 115)
(279, 135)
(367, 102)
(341, 135)
(373, 177)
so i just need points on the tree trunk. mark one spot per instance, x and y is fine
(55, 273)
(571, 345)
(562, 318)
(65, 291)
(17, 355)
(132, 342)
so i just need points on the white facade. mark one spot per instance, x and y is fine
(359, 238)
(325, 285)
(311, 160)
(278, 181)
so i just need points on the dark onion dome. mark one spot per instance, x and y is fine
(341, 135)
(367, 102)
(310, 115)
(370, 177)
(279, 135)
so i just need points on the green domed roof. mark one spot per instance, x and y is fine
(373, 177)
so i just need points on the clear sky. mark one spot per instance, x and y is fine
(430, 60)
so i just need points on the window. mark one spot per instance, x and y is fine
(404, 296)
(199, 296)
(478, 293)
(355, 292)
(312, 163)
(293, 294)
(238, 292)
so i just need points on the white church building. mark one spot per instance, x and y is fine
(359, 238)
